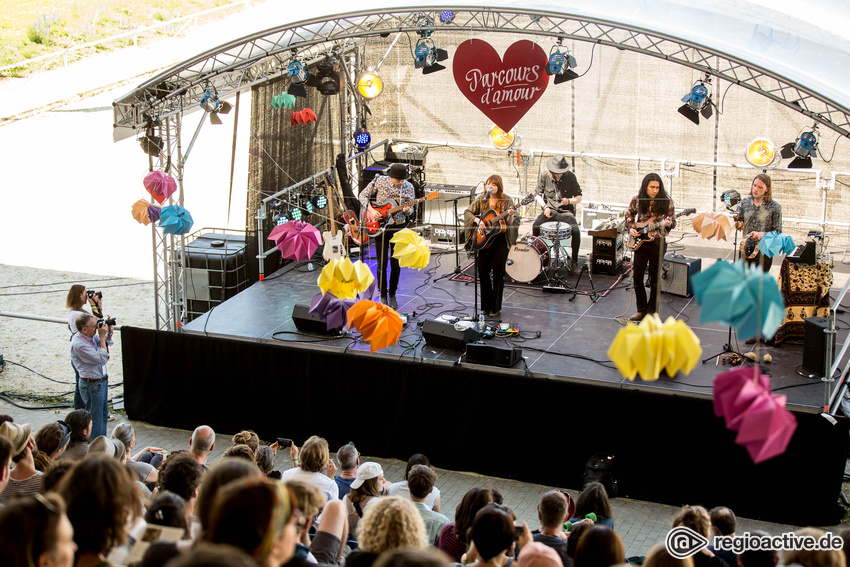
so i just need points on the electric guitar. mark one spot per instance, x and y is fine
(383, 220)
(494, 224)
(645, 231)
(333, 249)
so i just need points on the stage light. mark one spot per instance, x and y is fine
(151, 145)
(426, 55)
(370, 85)
(298, 73)
(731, 198)
(327, 76)
(447, 16)
(280, 218)
(321, 201)
(362, 138)
(503, 140)
(561, 64)
(211, 104)
(295, 214)
(308, 206)
(425, 23)
(803, 149)
(697, 102)
(761, 152)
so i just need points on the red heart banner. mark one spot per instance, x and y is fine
(503, 89)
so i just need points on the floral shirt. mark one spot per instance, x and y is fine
(766, 217)
(382, 189)
(634, 216)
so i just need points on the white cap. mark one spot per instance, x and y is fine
(366, 471)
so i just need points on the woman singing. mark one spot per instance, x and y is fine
(650, 205)
(492, 259)
(759, 215)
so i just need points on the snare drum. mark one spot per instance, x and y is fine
(527, 259)
(555, 230)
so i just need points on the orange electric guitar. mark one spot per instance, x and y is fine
(364, 229)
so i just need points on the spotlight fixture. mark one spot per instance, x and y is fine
(295, 214)
(425, 23)
(320, 201)
(298, 73)
(370, 85)
(211, 104)
(362, 137)
(151, 145)
(761, 152)
(561, 64)
(280, 218)
(447, 16)
(803, 149)
(308, 206)
(731, 198)
(327, 79)
(503, 140)
(426, 55)
(697, 102)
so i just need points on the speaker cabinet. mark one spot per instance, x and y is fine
(444, 335)
(676, 274)
(311, 322)
(814, 345)
(479, 353)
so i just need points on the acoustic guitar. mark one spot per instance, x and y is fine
(645, 231)
(494, 224)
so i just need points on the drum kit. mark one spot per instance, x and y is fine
(544, 255)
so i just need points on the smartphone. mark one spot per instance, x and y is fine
(284, 443)
(518, 530)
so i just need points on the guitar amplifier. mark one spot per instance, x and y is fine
(676, 274)
(606, 264)
(609, 247)
(447, 234)
(439, 211)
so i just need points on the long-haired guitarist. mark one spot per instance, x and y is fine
(650, 205)
(392, 187)
(493, 258)
(758, 215)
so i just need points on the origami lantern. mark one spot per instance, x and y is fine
(380, 325)
(410, 249)
(160, 185)
(144, 212)
(711, 225)
(345, 279)
(649, 347)
(175, 220)
(331, 310)
(296, 240)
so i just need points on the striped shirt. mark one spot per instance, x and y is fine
(20, 488)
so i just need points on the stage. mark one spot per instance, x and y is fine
(245, 365)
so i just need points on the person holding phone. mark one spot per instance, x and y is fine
(313, 462)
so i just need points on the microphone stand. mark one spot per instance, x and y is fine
(727, 348)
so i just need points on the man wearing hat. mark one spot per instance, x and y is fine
(24, 480)
(558, 192)
(384, 188)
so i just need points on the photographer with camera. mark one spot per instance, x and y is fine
(89, 355)
(77, 298)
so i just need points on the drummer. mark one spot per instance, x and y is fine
(558, 192)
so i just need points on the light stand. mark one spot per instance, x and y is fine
(457, 239)
(727, 348)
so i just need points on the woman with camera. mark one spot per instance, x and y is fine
(76, 301)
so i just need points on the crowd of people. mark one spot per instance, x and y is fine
(89, 502)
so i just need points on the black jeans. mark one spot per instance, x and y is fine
(575, 231)
(492, 262)
(650, 252)
(383, 250)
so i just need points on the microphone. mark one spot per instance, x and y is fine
(510, 262)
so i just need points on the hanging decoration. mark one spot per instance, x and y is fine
(650, 347)
(410, 249)
(379, 324)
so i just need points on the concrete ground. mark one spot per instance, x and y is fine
(640, 524)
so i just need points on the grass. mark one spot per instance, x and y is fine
(32, 28)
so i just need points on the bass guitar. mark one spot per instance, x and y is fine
(494, 224)
(645, 231)
(384, 219)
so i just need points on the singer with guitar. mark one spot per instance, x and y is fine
(493, 256)
(558, 192)
(392, 187)
(758, 214)
(651, 205)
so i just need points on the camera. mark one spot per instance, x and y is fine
(283, 442)
(109, 322)
(91, 293)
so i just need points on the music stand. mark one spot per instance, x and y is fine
(727, 348)
(457, 239)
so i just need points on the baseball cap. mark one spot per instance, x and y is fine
(366, 471)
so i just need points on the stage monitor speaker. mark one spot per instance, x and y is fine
(814, 345)
(676, 274)
(444, 335)
(311, 322)
(479, 353)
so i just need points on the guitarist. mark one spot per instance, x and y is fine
(380, 190)
(651, 204)
(759, 214)
(558, 192)
(492, 259)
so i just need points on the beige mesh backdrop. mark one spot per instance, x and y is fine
(624, 110)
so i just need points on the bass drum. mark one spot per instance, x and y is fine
(526, 260)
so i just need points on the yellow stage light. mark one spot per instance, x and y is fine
(370, 85)
(761, 152)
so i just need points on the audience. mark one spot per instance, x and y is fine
(364, 490)
(493, 534)
(454, 537)
(599, 546)
(102, 501)
(36, 532)
(552, 511)
(24, 480)
(420, 482)
(843, 534)
(658, 556)
(52, 478)
(401, 489)
(211, 555)
(813, 557)
(537, 554)
(104, 446)
(391, 523)
(181, 474)
(697, 519)
(202, 443)
(331, 534)
(6, 454)
(348, 459)
(265, 462)
(413, 558)
(51, 440)
(243, 452)
(315, 465)
(723, 525)
(126, 434)
(224, 473)
(594, 499)
(80, 423)
(769, 557)
(249, 439)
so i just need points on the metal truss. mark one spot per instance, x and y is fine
(264, 56)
